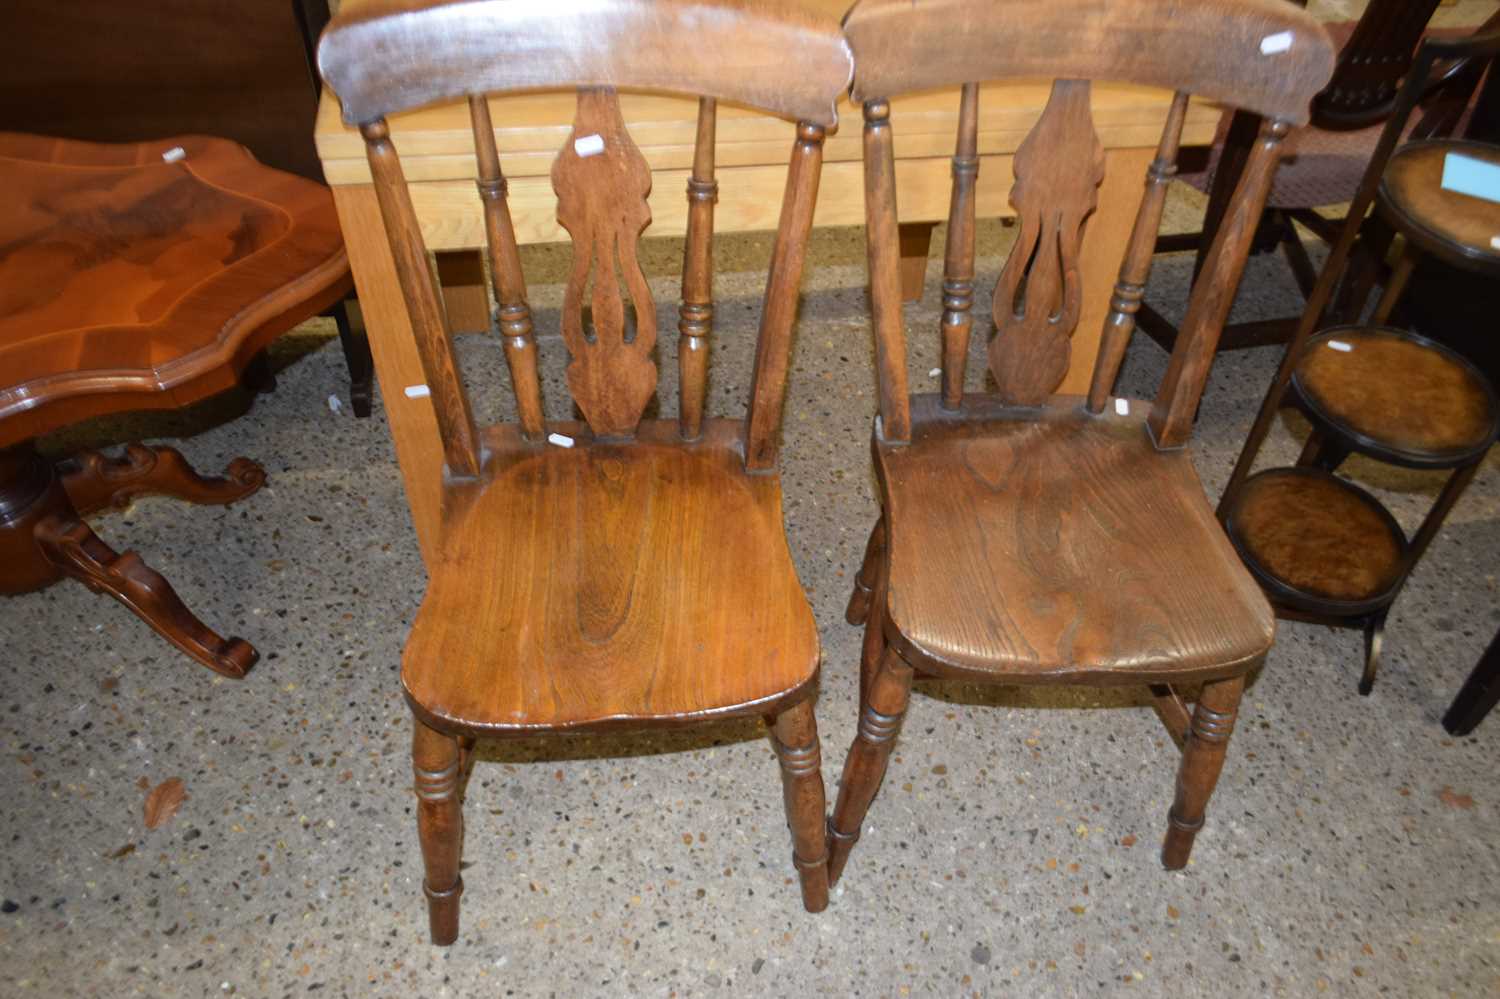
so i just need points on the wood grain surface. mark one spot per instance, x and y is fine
(1215, 48)
(1401, 393)
(1317, 534)
(638, 583)
(711, 48)
(1053, 545)
(1458, 227)
(132, 282)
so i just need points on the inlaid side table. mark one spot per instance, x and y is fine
(139, 276)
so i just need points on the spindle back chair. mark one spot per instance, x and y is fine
(1034, 538)
(586, 576)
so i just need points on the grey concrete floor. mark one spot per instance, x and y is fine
(1013, 850)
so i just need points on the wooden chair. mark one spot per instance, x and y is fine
(1033, 538)
(614, 572)
(1324, 161)
(137, 276)
(1324, 549)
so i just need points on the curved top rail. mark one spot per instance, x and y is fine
(1266, 56)
(393, 55)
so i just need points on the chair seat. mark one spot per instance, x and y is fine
(1049, 544)
(610, 584)
(1397, 395)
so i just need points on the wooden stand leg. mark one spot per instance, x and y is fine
(879, 723)
(794, 733)
(440, 826)
(1202, 759)
(864, 580)
(357, 356)
(1480, 693)
(1400, 275)
(1374, 639)
(96, 482)
(916, 243)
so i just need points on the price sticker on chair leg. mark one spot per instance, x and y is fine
(561, 440)
(418, 391)
(1122, 407)
(588, 145)
(1340, 346)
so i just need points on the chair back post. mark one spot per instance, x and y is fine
(1176, 404)
(958, 253)
(695, 316)
(460, 438)
(513, 314)
(1135, 270)
(882, 242)
(779, 307)
(1412, 91)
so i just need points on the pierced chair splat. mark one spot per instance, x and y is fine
(1034, 538)
(593, 585)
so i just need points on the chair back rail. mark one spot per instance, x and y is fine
(398, 54)
(470, 48)
(1372, 64)
(1264, 55)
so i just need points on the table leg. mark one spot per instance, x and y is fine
(1480, 693)
(1104, 239)
(916, 243)
(419, 449)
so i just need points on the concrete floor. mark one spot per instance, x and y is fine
(1349, 848)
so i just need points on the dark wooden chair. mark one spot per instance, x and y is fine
(1323, 162)
(615, 571)
(139, 276)
(1034, 538)
(1324, 549)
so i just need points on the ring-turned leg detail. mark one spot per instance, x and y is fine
(794, 733)
(864, 580)
(440, 826)
(879, 723)
(1202, 760)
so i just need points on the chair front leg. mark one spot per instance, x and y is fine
(1202, 759)
(440, 826)
(879, 723)
(794, 733)
(858, 610)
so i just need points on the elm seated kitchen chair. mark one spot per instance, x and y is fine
(1031, 538)
(616, 572)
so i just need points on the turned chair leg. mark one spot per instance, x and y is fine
(1202, 759)
(879, 723)
(794, 733)
(440, 826)
(1374, 639)
(864, 580)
